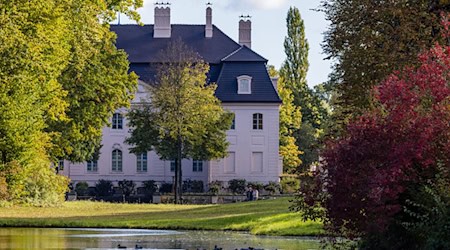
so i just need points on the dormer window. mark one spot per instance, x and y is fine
(244, 84)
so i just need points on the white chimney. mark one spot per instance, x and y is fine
(162, 28)
(245, 31)
(208, 26)
(275, 82)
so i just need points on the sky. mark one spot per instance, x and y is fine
(268, 26)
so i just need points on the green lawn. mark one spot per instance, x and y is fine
(270, 217)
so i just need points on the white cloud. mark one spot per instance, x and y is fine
(257, 4)
(267, 4)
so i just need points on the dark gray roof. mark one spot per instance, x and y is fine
(244, 54)
(141, 47)
(261, 84)
(227, 59)
(145, 72)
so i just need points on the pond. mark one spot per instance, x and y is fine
(80, 238)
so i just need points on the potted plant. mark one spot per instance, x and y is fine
(214, 189)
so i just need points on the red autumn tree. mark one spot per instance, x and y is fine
(386, 155)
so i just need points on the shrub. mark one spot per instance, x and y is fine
(429, 213)
(81, 188)
(197, 186)
(4, 194)
(150, 187)
(103, 188)
(92, 191)
(127, 187)
(290, 185)
(237, 186)
(193, 186)
(215, 187)
(166, 188)
(43, 187)
(272, 187)
(13, 185)
(256, 185)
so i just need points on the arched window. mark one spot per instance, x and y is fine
(117, 121)
(258, 121)
(116, 160)
(244, 84)
(141, 162)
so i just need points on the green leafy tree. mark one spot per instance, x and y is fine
(57, 60)
(311, 138)
(368, 40)
(96, 78)
(290, 121)
(295, 67)
(293, 72)
(182, 118)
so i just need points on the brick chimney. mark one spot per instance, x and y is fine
(208, 26)
(162, 27)
(245, 31)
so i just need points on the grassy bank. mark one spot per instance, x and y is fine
(270, 217)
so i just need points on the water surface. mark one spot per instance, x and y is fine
(78, 238)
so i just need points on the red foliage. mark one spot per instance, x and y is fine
(392, 148)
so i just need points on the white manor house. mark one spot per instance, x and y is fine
(244, 88)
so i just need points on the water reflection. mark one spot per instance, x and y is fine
(73, 238)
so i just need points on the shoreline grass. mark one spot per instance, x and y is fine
(266, 217)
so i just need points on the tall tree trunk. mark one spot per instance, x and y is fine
(175, 182)
(178, 173)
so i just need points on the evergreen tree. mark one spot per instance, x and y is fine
(295, 67)
(293, 72)
(182, 118)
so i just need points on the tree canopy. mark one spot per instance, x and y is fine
(61, 79)
(314, 110)
(290, 120)
(295, 67)
(368, 40)
(386, 178)
(182, 118)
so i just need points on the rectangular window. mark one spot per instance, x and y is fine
(197, 166)
(257, 121)
(92, 166)
(257, 162)
(60, 165)
(233, 124)
(141, 162)
(172, 166)
(117, 121)
(230, 163)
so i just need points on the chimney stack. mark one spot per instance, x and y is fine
(162, 27)
(245, 31)
(275, 82)
(208, 26)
